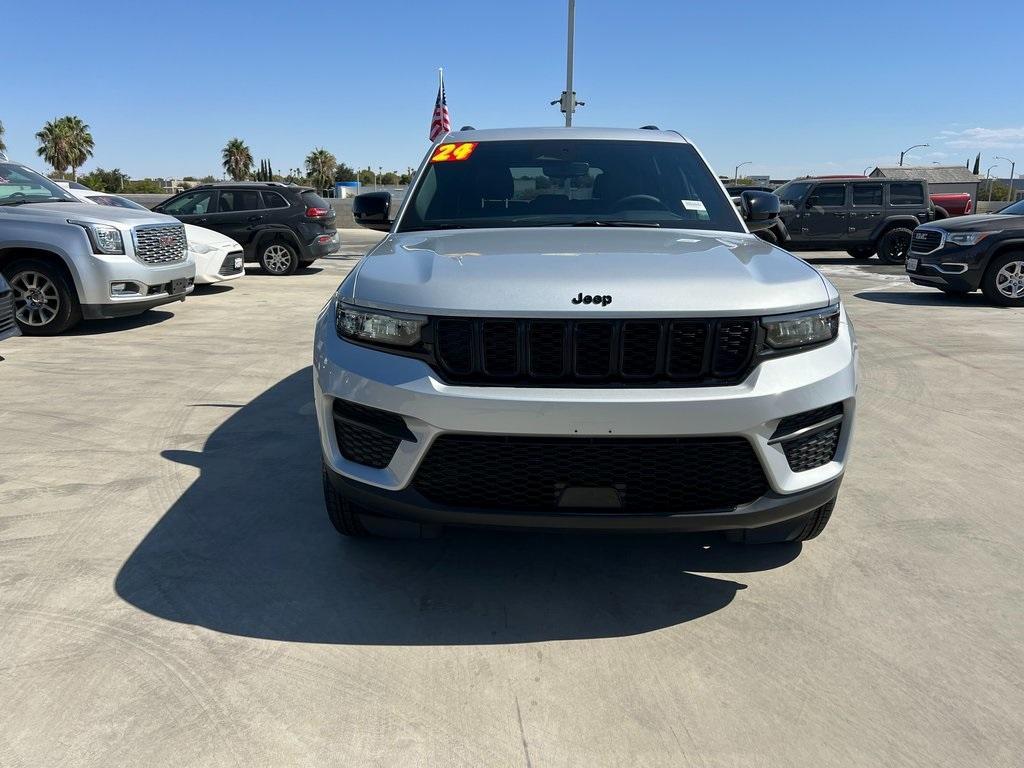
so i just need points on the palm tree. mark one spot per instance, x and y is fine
(320, 165)
(55, 145)
(237, 160)
(81, 142)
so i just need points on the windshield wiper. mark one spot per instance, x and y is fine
(26, 202)
(607, 223)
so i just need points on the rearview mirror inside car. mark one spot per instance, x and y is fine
(373, 210)
(760, 209)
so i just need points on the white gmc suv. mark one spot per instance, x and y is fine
(575, 328)
(67, 260)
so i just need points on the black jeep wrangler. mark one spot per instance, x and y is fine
(862, 216)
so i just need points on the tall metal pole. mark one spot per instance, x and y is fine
(988, 182)
(570, 102)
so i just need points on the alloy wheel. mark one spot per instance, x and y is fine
(277, 258)
(36, 299)
(1010, 280)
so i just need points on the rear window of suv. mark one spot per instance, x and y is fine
(312, 200)
(576, 182)
(906, 194)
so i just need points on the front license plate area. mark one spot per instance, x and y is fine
(911, 265)
(178, 286)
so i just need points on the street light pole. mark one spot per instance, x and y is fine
(568, 100)
(988, 183)
(1013, 167)
(736, 172)
(910, 148)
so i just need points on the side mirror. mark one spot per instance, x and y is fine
(811, 201)
(373, 210)
(759, 209)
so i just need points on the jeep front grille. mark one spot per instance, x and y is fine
(160, 243)
(648, 475)
(549, 352)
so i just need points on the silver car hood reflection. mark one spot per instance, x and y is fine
(538, 272)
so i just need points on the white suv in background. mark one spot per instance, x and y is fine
(217, 257)
(575, 328)
(67, 260)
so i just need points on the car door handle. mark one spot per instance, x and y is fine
(201, 221)
(253, 219)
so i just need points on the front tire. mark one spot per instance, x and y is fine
(278, 258)
(1003, 283)
(895, 245)
(768, 236)
(803, 528)
(861, 252)
(45, 304)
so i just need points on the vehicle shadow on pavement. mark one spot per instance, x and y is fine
(248, 550)
(926, 299)
(119, 324)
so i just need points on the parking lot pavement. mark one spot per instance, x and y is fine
(172, 594)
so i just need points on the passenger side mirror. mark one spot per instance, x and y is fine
(760, 209)
(373, 210)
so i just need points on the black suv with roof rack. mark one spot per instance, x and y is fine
(861, 215)
(278, 225)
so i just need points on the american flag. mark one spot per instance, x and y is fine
(441, 122)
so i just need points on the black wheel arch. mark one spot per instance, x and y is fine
(900, 222)
(268, 234)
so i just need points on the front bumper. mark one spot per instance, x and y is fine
(753, 409)
(218, 266)
(94, 283)
(959, 268)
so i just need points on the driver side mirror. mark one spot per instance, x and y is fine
(759, 209)
(373, 210)
(811, 201)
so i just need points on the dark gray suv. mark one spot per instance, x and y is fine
(860, 215)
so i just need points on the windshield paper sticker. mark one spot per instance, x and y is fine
(694, 205)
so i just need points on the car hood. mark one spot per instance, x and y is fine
(537, 272)
(89, 212)
(980, 222)
(209, 238)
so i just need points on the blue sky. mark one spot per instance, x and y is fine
(823, 87)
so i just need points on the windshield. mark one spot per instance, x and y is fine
(1015, 209)
(569, 183)
(793, 191)
(116, 202)
(19, 185)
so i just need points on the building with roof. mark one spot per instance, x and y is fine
(940, 178)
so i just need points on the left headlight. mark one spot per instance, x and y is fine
(104, 238)
(967, 238)
(379, 327)
(801, 329)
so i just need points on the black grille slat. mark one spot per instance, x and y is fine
(925, 241)
(455, 345)
(733, 347)
(501, 347)
(546, 348)
(594, 352)
(659, 475)
(640, 342)
(368, 436)
(686, 349)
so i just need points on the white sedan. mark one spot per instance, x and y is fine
(218, 257)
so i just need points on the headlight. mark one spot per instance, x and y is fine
(802, 329)
(201, 248)
(381, 327)
(104, 238)
(967, 238)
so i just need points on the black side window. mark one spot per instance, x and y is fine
(830, 195)
(867, 194)
(273, 200)
(238, 200)
(191, 204)
(906, 194)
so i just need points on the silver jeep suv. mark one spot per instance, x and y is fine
(66, 260)
(575, 328)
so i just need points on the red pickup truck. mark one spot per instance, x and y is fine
(951, 203)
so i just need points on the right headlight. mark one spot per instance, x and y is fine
(801, 329)
(104, 238)
(376, 326)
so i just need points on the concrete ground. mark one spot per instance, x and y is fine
(171, 593)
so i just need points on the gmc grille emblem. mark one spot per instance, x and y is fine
(586, 298)
(166, 240)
